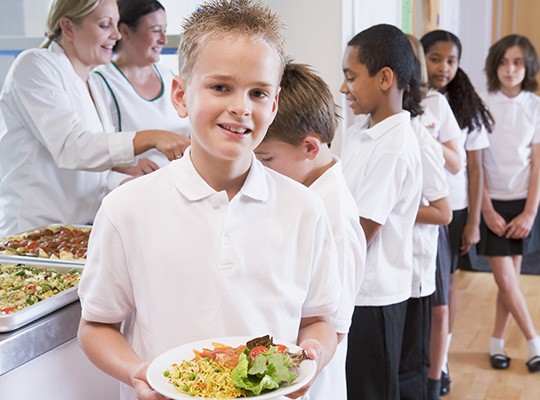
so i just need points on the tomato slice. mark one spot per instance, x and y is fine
(281, 348)
(254, 352)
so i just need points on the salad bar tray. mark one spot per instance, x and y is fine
(31, 301)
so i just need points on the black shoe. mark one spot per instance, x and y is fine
(534, 364)
(445, 383)
(501, 361)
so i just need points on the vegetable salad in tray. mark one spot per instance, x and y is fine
(238, 367)
(53, 243)
(28, 292)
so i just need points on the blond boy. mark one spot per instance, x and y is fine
(214, 244)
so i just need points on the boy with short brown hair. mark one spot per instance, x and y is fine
(298, 145)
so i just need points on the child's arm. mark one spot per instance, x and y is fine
(319, 339)
(521, 225)
(452, 159)
(370, 228)
(438, 212)
(109, 350)
(475, 176)
(494, 221)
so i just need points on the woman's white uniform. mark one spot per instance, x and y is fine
(53, 144)
(130, 111)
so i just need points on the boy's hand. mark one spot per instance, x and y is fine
(143, 389)
(313, 349)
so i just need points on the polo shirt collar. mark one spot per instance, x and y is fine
(331, 179)
(500, 97)
(378, 130)
(188, 181)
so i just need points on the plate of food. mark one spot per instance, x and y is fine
(231, 367)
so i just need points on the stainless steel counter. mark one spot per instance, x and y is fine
(30, 341)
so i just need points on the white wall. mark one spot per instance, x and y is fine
(316, 30)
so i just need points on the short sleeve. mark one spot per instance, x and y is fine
(382, 187)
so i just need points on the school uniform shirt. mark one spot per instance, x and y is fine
(458, 183)
(425, 236)
(438, 117)
(507, 161)
(53, 144)
(131, 112)
(195, 265)
(383, 170)
(351, 245)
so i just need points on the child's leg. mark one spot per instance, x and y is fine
(438, 337)
(414, 360)
(506, 273)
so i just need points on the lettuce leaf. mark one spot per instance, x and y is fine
(267, 371)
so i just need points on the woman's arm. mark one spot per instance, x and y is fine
(168, 143)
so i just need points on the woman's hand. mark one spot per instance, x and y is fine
(168, 143)
(520, 226)
(144, 166)
(171, 144)
(143, 389)
(495, 222)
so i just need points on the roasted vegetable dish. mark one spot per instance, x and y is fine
(55, 242)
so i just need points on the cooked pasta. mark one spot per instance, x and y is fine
(203, 378)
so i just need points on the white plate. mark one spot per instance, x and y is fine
(160, 383)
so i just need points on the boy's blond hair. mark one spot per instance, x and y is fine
(418, 50)
(306, 106)
(218, 18)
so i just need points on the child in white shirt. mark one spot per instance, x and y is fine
(298, 146)
(214, 244)
(512, 189)
(381, 163)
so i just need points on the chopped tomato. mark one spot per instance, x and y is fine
(281, 348)
(254, 352)
(7, 310)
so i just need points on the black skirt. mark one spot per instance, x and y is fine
(492, 245)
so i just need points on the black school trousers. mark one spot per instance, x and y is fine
(374, 351)
(414, 364)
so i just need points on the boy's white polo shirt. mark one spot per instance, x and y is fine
(351, 244)
(425, 236)
(182, 263)
(348, 234)
(508, 159)
(383, 170)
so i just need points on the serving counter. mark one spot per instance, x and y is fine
(47, 351)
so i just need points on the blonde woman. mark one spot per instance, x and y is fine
(57, 141)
